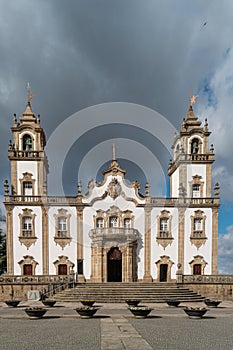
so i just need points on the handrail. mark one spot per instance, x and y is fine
(69, 284)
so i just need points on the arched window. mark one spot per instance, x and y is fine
(27, 188)
(195, 146)
(99, 222)
(27, 143)
(113, 221)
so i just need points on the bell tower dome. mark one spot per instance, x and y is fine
(190, 170)
(29, 166)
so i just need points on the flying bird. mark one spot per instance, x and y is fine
(205, 24)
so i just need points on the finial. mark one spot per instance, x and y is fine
(10, 146)
(147, 189)
(192, 98)
(15, 120)
(206, 124)
(216, 190)
(113, 151)
(79, 187)
(30, 94)
(6, 187)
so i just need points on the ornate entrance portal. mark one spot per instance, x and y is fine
(114, 254)
(114, 265)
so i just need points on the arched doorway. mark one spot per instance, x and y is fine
(163, 272)
(114, 265)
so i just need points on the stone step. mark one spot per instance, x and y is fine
(119, 292)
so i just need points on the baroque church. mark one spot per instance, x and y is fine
(113, 232)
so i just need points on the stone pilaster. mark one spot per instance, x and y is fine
(147, 244)
(208, 180)
(9, 239)
(214, 267)
(81, 277)
(45, 240)
(183, 176)
(181, 230)
(14, 179)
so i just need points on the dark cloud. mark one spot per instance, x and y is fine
(81, 52)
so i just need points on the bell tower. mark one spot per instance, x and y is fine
(190, 170)
(28, 161)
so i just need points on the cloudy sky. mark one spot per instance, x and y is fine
(80, 53)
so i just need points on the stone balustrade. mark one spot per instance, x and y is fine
(208, 279)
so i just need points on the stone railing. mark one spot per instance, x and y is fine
(40, 279)
(208, 279)
(25, 154)
(114, 232)
(175, 201)
(40, 200)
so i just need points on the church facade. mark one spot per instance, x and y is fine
(112, 233)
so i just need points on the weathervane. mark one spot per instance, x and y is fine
(30, 94)
(192, 98)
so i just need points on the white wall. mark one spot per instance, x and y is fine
(29, 167)
(70, 250)
(20, 250)
(196, 169)
(157, 250)
(205, 250)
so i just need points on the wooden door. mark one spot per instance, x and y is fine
(114, 265)
(163, 272)
(62, 269)
(197, 269)
(27, 269)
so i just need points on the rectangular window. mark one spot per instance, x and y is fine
(27, 223)
(164, 224)
(196, 191)
(197, 225)
(62, 224)
(27, 188)
(99, 223)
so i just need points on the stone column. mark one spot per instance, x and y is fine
(214, 267)
(99, 266)
(45, 240)
(123, 251)
(105, 271)
(9, 239)
(147, 246)
(181, 213)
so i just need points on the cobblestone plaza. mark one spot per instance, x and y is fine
(114, 327)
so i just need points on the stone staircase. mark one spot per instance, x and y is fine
(114, 292)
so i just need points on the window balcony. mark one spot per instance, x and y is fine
(120, 234)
